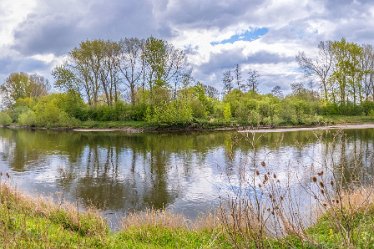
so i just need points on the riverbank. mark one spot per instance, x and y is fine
(328, 122)
(37, 223)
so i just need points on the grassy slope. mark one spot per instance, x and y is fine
(27, 223)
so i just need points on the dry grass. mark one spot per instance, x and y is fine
(154, 218)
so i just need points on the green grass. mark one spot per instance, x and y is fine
(32, 223)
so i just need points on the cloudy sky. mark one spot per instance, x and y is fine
(264, 35)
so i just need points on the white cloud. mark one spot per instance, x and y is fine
(42, 31)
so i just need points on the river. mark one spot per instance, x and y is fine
(184, 173)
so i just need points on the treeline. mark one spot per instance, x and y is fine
(344, 71)
(150, 81)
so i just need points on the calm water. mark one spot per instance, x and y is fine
(185, 173)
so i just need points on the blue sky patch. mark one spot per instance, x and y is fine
(249, 35)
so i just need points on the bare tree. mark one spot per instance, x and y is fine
(132, 63)
(227, 81)
(252, 81)
(321, 66)
(277, 92)
(367, 64)
(238, 77)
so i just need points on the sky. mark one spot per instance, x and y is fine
(262, 35)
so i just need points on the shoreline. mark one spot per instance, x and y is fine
(240, 129)
(316, 128)
(196, 128)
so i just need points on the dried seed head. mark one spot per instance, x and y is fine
(275, 176)
(322, 191)
(321, 184)
(337, 201)
(263, 164)
(332, 183)
(320, 173)
(324, 204)
(314, 179)
(257, 172)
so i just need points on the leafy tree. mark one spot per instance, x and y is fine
(22, 85)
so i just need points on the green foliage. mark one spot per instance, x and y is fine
(5, 119)
(227, 112)
(175, 112)
(27, 118)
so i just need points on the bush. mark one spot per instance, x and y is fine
(5, 119)
(227, 112)
(27, 118)
(175, 112)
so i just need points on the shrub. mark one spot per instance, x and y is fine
(27, 118)
(227, 112)
(175, 112)
(5, 119)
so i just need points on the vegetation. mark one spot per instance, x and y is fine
(26, 222)
(149, 81)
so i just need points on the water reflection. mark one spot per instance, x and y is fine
(117, 173)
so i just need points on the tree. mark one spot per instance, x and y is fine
(367, 64)
(277, 92)
(252, 81)
(227, 81)
(238, 77)
(23, 85)
(132, 63)
(165, 65)
(348, 72)
(92, 69)
(320, 67)
(109, 71)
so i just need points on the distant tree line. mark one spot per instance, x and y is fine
(150, 80)
(344, 71)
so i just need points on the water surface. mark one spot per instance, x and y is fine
(185, 173)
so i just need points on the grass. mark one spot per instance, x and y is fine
(27, 222)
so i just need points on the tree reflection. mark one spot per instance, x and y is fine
(116, 171)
